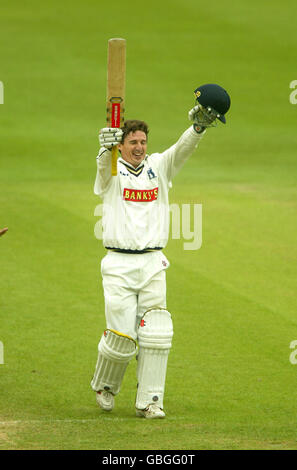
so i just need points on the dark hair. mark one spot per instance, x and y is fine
(134, 125)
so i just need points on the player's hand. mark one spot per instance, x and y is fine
(202, 117)
(110, 136)
(3, 230)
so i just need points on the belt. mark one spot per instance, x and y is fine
(134, 252)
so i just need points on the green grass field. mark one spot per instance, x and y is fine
(230, 383)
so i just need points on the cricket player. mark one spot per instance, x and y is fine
(135, 230)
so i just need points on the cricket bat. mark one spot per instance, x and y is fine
(116, 85)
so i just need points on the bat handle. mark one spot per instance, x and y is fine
(114, 160)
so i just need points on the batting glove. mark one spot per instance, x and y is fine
(202, 117)
(110, 136)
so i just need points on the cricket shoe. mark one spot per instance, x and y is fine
(151, 412)
(105, 400)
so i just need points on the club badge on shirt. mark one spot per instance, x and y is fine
(151, 174)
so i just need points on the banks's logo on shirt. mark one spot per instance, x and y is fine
(140, 195)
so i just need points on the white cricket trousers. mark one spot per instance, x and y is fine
(132, 284)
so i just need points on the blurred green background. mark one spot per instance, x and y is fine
(230, 383)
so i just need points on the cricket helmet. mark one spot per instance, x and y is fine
(215, 97)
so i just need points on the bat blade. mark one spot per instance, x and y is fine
(116, 86)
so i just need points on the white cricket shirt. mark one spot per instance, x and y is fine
(135, 201)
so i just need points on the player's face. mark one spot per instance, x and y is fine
(133, 149)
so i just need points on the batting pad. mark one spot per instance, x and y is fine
(115, 351)
(154, 338)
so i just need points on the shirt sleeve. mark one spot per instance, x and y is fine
(172, 159)
(103, 176)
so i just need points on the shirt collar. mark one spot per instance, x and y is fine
(132, 166)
